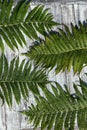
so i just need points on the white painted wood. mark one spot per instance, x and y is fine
(66, 13)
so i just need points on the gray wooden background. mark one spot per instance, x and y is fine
(64, 11)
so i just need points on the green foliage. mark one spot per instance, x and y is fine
(17, 21)
(59, 109)
(18, 78)
(63, 49)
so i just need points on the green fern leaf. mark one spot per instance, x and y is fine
(62, 50)
(54, 111)
(17, 79)
(17, 21)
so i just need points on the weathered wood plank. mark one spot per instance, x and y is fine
(11, 119)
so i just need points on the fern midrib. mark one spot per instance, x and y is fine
(23, 81)
(21, 23)
(82, 49)
(56, 112)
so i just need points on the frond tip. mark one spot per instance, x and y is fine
(17, 79)
(59, 110)
(16, 22)
(63, 49)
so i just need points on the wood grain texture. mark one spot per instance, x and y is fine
(63, 13)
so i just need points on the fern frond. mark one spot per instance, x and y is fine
(17, 21)
(59, 109)
(18, 78)
(62, 49)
